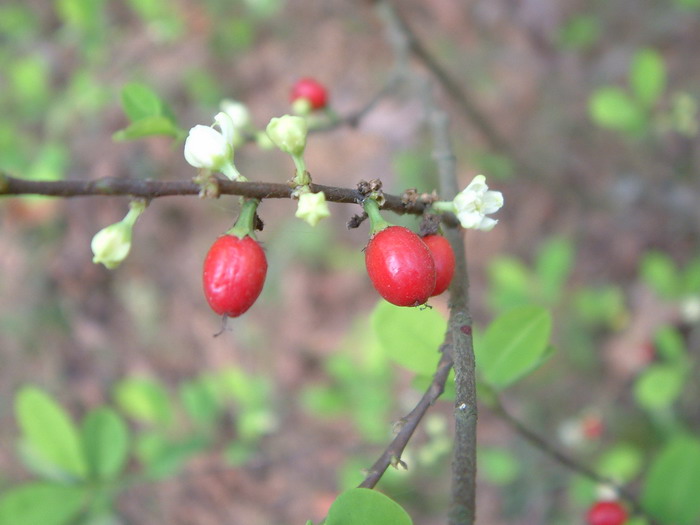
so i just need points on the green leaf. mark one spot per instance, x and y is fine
(580, 32)
(670, 345)
(691, 277)
(553, 266)
(145, 400)
(162, 457)
(621, 463)
(365, 506)
(513, 345)
(647, 76)
(149, 126)
(409, 336)
(659, 386)
(199, 401)
(611, 107)
(660, 273)
(498, 466)
(49, 432)
(106, 443)
(140, 102)
(40, 504)
(510, 283)
(670, 491)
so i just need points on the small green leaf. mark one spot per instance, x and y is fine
(40, 504)
(670, 491)
(149, 126)
(513, 345)
(553, 266)
(106, 443)
(691, 277)
(621, 463)
(659, 386)
(409, 336)
(647, 76)
(364, 507)
(140, 102)
(145, 400)
(660, 273)
(498, 466)
(611, 107)
(510, 283)
(670, 345)
(49, 431)
(199, 402)
(579, 32)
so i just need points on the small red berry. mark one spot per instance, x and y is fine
(400, 266)
(234, 274)
(606, 513)
(312, 91)
(444, 259)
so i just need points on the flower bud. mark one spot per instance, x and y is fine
(240, 116)
(289, 134)
(112, 244)
(312, 207)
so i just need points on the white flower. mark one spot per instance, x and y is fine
(312, 207)
(289, 134)
(475, 202)
(207, 148)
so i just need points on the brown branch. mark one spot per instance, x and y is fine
(151, 189)
(409, 423)
(572, 464)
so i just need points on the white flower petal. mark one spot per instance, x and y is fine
(240, 116)
(228, 130)
(491, 202)
(486, 224)
(206, 148)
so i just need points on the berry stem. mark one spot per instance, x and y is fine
(376, 221)
(302, 177)
(245, 224)
(136, 208)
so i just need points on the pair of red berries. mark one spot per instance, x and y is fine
(406, 269)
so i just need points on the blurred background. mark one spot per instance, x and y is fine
(595, 108)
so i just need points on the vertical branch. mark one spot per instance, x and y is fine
(462, 509)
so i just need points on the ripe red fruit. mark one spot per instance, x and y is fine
(234, 274)
(444, 259)
(312, 91)
(606, 513)
(400, 266)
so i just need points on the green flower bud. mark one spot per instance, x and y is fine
(289, 134)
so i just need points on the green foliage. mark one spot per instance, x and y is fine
(49, 433)
(659, 386)
(630, 112)
(105, 440)
(647, 76)
(409, 336)
(611, 107)
(623, 462)
(148, 113)
(670, 487)
(498, 466)
(513, 345)
(363, 506)
(603, 305)
(579, 33)
(41, 504)
(493, 164)
(145, 400)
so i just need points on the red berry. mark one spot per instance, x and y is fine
(234, 274)
(606, 513)
(400, 266)
(444, 259)
(312, 91)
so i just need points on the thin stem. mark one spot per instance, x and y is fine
(245, 224)
(409, 423)
(151, 189)
(376, 221)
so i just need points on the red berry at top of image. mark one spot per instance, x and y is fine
(234, 274)
(444, 259)
(606, 513)
(400, 266)
(312, 91)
